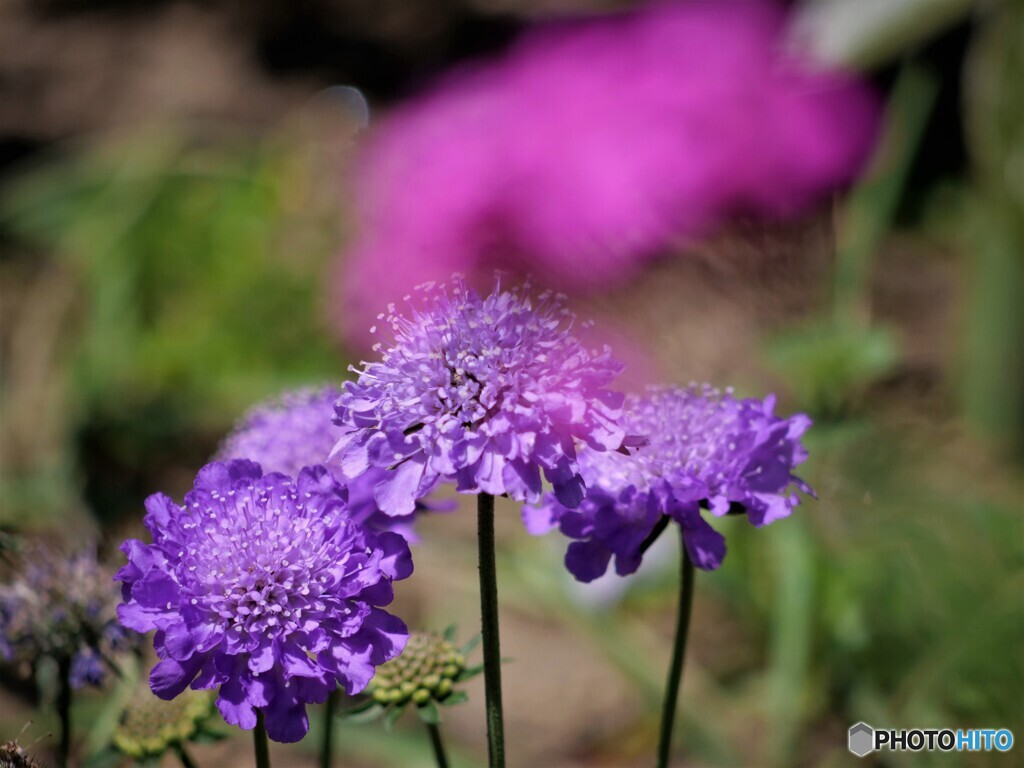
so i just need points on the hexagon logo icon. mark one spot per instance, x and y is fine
(861, 739)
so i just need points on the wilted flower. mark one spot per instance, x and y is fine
(297, 430)
(707, 450)
(62, 606)
(488, 392)
(592, 146)
(264, 587)
(13, 755)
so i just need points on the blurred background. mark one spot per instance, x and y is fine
(177, 196)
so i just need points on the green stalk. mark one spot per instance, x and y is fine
(435, 741)
(489, 629)
(327, 747)
(64, 709)
(259, 742)
(675, 672)
(183, 756)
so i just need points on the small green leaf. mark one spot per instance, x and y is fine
(455, 697)
(429, 713)
(360, 706)
(363, 714)
(470, 672)
(392, 716)
(472, 643)
(450, 633)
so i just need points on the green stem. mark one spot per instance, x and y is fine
(489, 628)
(675, 672)
(437, 744)
(259, 742)
(64, 709)
(327, 747)
(184, 756)
(656, 531)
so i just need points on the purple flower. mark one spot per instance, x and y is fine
(296, 430)
(593, 146)
(706, 450)
(60, 605)
(87, 669)
(266, 588)
(488, 392)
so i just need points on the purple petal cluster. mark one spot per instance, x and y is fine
(594, 145)
(707, 450)
(61, 605)
(296, 430)
(489, 392)
(265, 588)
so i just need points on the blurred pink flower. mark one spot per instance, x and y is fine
(591, 145)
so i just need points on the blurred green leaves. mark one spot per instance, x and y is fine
(991, 228)
(829, 366)
(196, 274)
(197, 289)
(832, 361)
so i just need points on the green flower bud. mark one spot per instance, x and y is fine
(149, 726)
(421, 696)
(424, 671)
(430, 681)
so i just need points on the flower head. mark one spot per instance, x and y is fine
(296, 430)
(488, 392)
(707, 450)
(61, 605)
(149, 727)
(427, 669)
(593, 145)
(266, 588)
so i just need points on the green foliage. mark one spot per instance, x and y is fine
(199, 274)
(830, 367)
(201, 286)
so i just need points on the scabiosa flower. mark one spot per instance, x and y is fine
(264, 587)
(296, 430)
(593, 145)
(707, 450)
(488, 392)
(62, 606)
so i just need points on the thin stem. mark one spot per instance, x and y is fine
(259, 742)
(437, 744)
(656, 531)
(327, 747)
(184, 756)
(489, 628)
(675, 672)
(64, 709)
